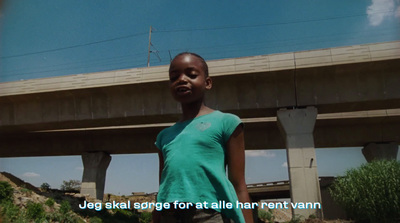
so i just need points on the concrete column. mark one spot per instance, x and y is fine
(255, 212)
(297, 127)
(379, 151)
(94, 174)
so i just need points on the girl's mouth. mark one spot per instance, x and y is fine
(183, 90)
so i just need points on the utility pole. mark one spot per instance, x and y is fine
(148, 55)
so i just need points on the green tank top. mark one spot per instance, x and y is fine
(194, 162)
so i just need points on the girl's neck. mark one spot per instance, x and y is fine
(193, 110)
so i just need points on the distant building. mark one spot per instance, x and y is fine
(139, 194)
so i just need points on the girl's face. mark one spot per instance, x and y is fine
(188, 81)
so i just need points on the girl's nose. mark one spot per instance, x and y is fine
(182, 78)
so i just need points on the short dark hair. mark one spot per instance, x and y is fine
(205, 66)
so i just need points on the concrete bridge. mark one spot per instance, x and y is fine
(269, 190)
(281, 190)
(336, 97)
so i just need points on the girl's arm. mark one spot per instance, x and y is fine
(156, 214)
(235, 149)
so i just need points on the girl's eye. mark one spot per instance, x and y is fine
(173, 76)
(192, 76)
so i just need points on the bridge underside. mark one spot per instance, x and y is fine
(336, 88)
(331, 89)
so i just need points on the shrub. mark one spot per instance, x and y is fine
(65, 215)
(69, 218)
(26, 191)
(95, 220)
(50, 202)
(125, 215)
(9, 211)
(312, 216)
(35, 211)
(145, 217)
(371, 192)
(65, 207)
(6, 191)
(296, 219)
(266, 215)
(71, 185)
(45, 187)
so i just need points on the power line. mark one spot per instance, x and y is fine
(284, 42)
(74, 46)
(255, 46)
(191, 29)
(268, 24)
(87, 62)
(126, 61)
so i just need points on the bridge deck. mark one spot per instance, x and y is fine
(122, 111)
(254, 64)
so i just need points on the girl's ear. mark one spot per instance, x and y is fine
(208, 83)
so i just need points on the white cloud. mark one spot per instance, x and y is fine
(380, 9)
(260, 153)
(284, 164)
(397, 12)
(31, 174)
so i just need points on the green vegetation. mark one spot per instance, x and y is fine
(36, 212)
(65, 207)
(45, 187)
(50, 202)
(65, 213)
(6, 191)
(26, 191)
(9, 211)
(312, 216)
(145, 217)
(266, 216)
(95, 220)
(370, 193)
(71, 185)
(119, 215)
(296, 219)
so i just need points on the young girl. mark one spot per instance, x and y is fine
(196, 150)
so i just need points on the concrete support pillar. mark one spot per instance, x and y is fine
(297, 127)
(255, 212)
(379, 151)
(94, 174)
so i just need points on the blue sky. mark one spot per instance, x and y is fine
(50, 38)
(47, 38)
